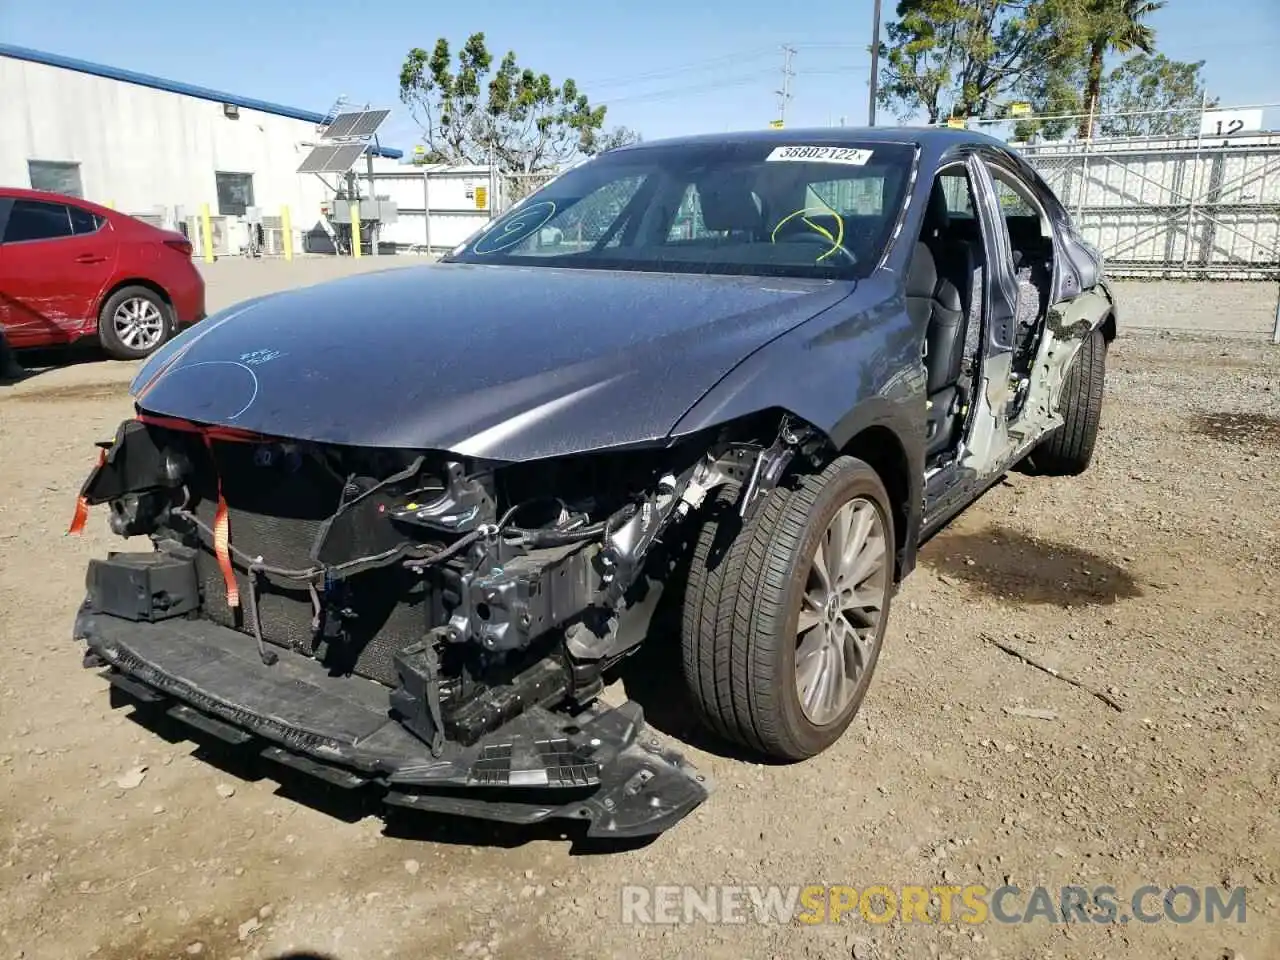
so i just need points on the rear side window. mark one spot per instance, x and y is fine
(37, 220)
(82, 221)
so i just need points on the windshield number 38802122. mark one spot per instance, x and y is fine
(821, 154)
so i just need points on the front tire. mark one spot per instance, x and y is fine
(785, 614)
(1068, 451)
(134, 323)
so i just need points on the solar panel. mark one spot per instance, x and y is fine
(367, 123)
(342, 124)
(319, 156)
(343, 157)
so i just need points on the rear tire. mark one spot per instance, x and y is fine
(1068, 451)
(749, 585)
(134, 323)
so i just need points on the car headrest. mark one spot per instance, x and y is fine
(936, 217)
(727, 204)
(922, 275)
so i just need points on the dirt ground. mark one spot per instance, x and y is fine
(1152, 579)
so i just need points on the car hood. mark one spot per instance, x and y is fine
(499, 362)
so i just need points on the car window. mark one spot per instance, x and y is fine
(689, 224)
(1016, 203)
(955, 187)
(850, 197)
(749, 207)
(1012, 204)
(579, 227)
(37, 220)
(82, 221)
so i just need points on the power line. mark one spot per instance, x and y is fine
(723, 83)
(712, 63)
(875, 65)
(685, 90)
(738, 58)
(784, 94)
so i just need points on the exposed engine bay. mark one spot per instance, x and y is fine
(486, 601)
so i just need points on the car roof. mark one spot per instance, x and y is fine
(21, 193)
(939, 138)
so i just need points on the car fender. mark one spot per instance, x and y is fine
(1067, 326)
(853, 366)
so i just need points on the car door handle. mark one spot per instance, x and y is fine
(90, 258)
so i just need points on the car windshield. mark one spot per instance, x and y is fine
(775, 208)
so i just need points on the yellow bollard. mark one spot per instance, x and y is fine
(206, 232)
(355, 229)
(286, 227)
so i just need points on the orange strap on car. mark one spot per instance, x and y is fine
(222, 536)
(221, 520)
(81, 516)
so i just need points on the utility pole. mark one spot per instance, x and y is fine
(875, 66)
(784, 94)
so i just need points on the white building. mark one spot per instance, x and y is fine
(156, 148)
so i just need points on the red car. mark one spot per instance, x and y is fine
(71, 269)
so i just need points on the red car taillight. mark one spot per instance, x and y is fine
(182, 246)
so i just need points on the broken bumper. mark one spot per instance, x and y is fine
(600, 766)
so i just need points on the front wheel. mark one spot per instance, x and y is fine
(134, 322)
(785, 615)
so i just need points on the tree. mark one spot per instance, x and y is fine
(1111, 25)
(617, 137)
(959, 58)
(471, 113)
(1053, 94)
(1153, 96)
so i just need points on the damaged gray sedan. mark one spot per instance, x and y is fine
(405, 526)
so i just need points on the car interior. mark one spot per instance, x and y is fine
(944, 294)
(1030, 240)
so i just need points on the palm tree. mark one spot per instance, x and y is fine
(1113, 25)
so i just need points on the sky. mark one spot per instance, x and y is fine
(663, 67)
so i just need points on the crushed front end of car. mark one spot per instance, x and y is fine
(437, 626)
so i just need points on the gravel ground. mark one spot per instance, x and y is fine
(1151, 577)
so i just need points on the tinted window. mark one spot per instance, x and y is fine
(55, 177)
(850, 197)
(35, 220)
(763, 208)
(955, 187)
(82, 221)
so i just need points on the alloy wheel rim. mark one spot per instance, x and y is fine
(838, 626)
(138, 323)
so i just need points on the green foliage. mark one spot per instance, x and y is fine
(961, 58)
(1146, 83)
(1111, 26)
(472, 113)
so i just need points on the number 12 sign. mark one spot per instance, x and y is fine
(1226, 123)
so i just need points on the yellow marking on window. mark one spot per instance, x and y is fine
(803, 213)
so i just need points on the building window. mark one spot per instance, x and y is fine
(55, 176)
(235, 193)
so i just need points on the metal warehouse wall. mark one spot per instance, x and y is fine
(143, 149)
(459, 199)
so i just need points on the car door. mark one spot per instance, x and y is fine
(56, 260)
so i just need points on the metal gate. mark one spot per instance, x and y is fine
(1172, 207)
